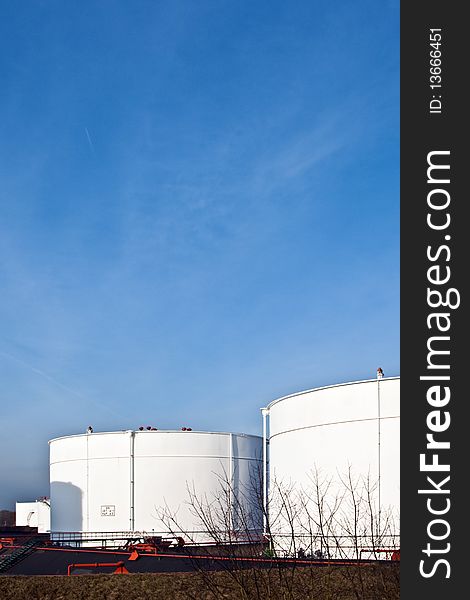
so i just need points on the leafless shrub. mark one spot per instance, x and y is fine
(305, 528)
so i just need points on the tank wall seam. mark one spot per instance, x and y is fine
(332, 423)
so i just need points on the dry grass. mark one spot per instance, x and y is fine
(335, 583)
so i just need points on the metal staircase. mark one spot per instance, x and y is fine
(7, 560)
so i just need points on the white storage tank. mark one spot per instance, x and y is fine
(120, 482)
(341, 434)
(34, 514)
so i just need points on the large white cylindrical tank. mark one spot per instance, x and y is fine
(123, 481)
(342, 434)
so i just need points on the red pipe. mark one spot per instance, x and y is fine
(92, 565)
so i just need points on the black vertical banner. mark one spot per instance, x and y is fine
(435, 259)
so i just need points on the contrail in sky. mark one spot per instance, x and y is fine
(56, 383)
(89, 140)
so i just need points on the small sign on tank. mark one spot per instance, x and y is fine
(108, 510)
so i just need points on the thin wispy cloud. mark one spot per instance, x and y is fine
(59, 384)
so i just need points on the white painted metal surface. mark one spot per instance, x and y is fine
(335, 430)
(122, 481)
(34, 514)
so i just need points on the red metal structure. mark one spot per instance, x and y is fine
(120, 568)
(390, 553)
(153, 545)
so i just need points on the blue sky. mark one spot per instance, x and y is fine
(199, 213)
